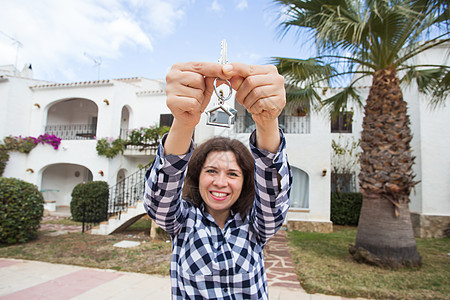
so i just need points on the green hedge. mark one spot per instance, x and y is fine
(345, 208)
(4, 157)
(21, 210)
(94, 196)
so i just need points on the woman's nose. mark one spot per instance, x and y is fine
(220, 180)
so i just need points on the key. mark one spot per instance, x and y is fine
(223, 53)
(221, 114)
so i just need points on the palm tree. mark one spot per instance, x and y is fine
(379, 39)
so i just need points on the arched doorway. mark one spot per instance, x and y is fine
(124, 123)
(58, 181)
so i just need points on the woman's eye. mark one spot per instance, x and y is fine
(211, 171)
(233, 174)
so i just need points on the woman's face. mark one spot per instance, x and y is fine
(220, 182)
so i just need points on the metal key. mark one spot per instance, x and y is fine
(222, 115)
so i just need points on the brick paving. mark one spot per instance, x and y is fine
(55, 229)
(25, 278)
(280, 268)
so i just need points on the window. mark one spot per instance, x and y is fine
(300, 189)
(165, 120)
(342, 123)
(343, 182)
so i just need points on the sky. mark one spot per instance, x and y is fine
(82, 40)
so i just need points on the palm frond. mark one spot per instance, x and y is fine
(415, 49)
(338, 102)
(432, 81)
(306, 96)
(298, 71)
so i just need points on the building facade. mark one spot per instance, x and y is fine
(82, 112)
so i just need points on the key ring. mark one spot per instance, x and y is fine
(222, 99)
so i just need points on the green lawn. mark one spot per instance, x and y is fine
(325, 266)
(322, 261)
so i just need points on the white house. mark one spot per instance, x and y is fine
(78, 113)
(82, 112)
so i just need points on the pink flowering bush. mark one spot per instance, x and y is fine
(50, 139)
(24, 145)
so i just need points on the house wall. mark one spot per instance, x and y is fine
(308, 152)
(55, 169)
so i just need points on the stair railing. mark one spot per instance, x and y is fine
(126, 193)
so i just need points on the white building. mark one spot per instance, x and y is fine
(82, 112)
(78, 113)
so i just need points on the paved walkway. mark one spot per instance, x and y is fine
(30, 280)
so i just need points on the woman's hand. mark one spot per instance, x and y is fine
(260, 89)
(189, 89)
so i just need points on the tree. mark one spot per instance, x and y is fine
(373, 38)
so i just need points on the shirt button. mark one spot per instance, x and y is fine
(225, 290)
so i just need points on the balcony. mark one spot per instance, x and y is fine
(145, 148)
(289, 124)
(73, 131)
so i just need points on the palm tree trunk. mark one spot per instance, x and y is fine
(385, 235)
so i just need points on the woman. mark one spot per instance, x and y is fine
(232, 201)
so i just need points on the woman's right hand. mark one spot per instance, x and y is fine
(189, 89)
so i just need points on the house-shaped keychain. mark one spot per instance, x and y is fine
(221, 115)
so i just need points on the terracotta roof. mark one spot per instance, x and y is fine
(72, 84)
(152, 92)
(129, 79)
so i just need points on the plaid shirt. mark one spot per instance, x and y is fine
(208, 262)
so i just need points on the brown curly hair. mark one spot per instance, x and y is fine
(243, 158)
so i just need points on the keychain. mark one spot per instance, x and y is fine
(221, 114)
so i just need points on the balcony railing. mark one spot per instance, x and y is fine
(73, 131)
(289, 124)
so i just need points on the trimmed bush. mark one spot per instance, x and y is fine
(4, 157)
(21, 210)
(93, 196)
(345, 208)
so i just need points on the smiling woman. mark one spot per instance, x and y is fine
(233, 200)
(220, 172)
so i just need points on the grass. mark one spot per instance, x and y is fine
(324, 265)
(97, 251)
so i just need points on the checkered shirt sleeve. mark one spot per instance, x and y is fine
(209, 262)
(273, 180)
(163, 185)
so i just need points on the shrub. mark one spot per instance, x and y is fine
(50, 139)
(4, 157)
(21, 210)
(110, 147)
(345, 208)
(23, 145)
(146, 137)
(92, 196)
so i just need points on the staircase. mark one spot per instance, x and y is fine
(125, 204)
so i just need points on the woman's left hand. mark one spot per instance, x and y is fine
(259, 88)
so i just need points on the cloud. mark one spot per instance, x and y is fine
(215, 6)
(241, 4)
(55, 33)
(162, 16)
